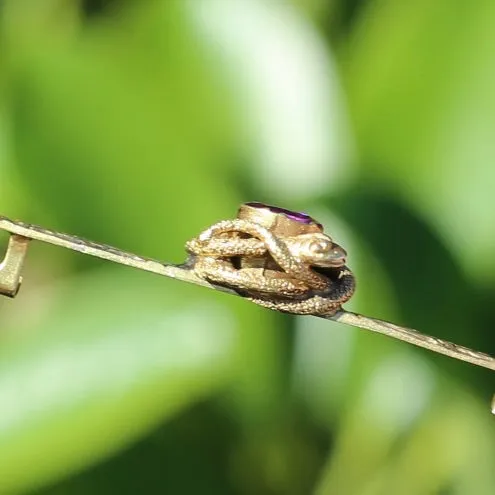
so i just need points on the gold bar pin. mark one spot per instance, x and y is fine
(22, 233)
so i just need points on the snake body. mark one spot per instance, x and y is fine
(291, 286)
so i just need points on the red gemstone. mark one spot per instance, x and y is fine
(293, 215)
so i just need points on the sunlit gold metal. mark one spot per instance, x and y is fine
(22, 232)
(103, 251)
(275, 260)
(275, 222)
(11, 266)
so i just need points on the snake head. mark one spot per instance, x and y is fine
(317, 250)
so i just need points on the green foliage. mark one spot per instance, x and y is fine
(140, 123)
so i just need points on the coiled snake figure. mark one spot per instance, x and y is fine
(276, 258)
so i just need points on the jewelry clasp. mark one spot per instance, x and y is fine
(11, 266)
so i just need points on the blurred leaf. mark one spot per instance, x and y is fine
(99, 378)
(125, 118)
(201, 438)
(421, 77)
(470, 432)
(449, 438)
(287, 91)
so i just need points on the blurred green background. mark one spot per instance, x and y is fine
(140, 123)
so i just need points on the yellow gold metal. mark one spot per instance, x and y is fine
(277, 223)
(415, 338)
(102, 251)
(11, 266)
(277, 259)
(23, 232)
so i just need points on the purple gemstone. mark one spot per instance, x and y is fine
(293, 215)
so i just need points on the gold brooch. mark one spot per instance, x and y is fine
(277, 258)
